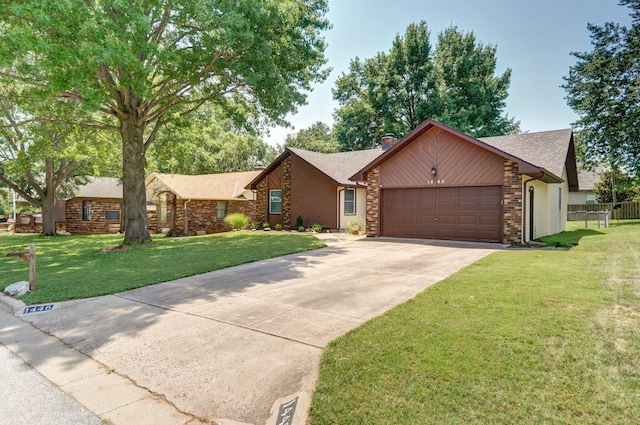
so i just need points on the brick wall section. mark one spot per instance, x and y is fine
(28, 223)
(261, 201)
(98, 225)
(203, 216)
(512, 204)
(373, 202)
(286, 192)
(152, 221)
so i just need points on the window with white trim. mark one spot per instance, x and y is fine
(275, 201)
(349, 201)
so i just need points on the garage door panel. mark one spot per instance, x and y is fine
(456, 213)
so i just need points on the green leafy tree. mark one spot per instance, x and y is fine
(141, 64)
(394, 92)
(616, 187)
(40, 155)
(602, 88)
(318, 138)
(207, 142)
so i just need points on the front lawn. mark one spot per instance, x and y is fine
(69, 267)
(520, 337)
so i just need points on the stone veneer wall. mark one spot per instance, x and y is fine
(98, 225)
(286, 193)
(28, 223)
(373, 203)
(261, 203)
(512, 204)
(203, 216)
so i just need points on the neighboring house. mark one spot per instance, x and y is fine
(188, 205)
(440, 183)
(95, 208)
(313, 185)
(587, 182)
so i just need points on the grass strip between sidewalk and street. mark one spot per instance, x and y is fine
(520, 337)
(71, 267)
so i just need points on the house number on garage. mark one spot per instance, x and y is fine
(286, 412)
(38, 308)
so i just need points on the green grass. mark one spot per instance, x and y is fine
(520, 337)
(69, 267)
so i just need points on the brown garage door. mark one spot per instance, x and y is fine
(453, 213)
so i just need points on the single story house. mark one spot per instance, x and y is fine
(440, 183)
(312, 185)
(94, 208)
(188, 205)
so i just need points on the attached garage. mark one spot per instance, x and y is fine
(472, 213)
(440, 183)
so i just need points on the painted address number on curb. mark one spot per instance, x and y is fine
(286, 412)
(38, 308)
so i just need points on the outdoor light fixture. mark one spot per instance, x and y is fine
(433, 171)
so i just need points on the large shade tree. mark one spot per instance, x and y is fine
(40, 154)
(144, 63)
(603, 89)
(393, 92)
(318, 137)
(207, 142)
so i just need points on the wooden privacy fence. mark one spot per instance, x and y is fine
(624, 210)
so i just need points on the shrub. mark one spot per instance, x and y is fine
(278, 227)
(299, 222)
(237, 221)
(266, 225)
(355, 224)
(317, 228)
(255, 225)
(301, 229)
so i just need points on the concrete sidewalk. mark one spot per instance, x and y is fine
(103, 392)
(231, 346)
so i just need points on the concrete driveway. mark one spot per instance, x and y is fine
(232, 346)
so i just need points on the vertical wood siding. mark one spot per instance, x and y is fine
(313, 195)
(458, 163)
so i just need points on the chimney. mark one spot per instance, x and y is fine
(388, 140)
(258, 167)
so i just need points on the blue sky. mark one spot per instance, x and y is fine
(534, 38)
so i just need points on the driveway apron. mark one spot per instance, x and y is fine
(232, 346)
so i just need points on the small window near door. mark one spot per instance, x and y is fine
(275, 201)
(112, 215)
(349, 201)
(222, 209)
(86, 210)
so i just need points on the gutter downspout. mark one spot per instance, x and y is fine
(524, 206)
(186, 219)
(339, 203)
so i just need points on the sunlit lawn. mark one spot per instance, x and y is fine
(520, 337)
(70, 267)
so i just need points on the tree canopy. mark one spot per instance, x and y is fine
(134, 66)
(206, 142)
(602, 88)
(318, 138)
(394, 92)
(616, 187)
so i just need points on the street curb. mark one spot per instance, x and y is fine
(12, 303)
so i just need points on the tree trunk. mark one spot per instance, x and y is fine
(49, 200)
(136, 229)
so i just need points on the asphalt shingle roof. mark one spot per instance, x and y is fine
(100, 187)
(341, 165)
(221, 186)
(546, 149)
